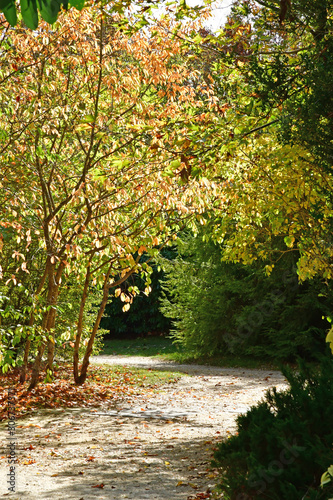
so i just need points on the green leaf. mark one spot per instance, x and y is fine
(175, 164)
(289, 241)
(9, 10)
(249, 107)
(49, 9)
(29, 13)
(327, 476)
(88, 119)
(78, 4)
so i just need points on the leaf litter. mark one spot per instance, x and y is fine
(109, 440)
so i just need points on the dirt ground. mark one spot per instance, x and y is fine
(156, 447)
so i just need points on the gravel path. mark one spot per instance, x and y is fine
(156, 447)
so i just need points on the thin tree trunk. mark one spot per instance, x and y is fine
(79, 380)
(51, 321)
(23, 374)
(24, 367)
(80, 327)
(36, 368)
(85, 363)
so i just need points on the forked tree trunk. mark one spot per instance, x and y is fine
(48, 323)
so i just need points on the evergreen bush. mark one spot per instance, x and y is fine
(218, 307)
(203, 296)
(284, 444)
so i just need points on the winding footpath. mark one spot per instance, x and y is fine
(157, 448)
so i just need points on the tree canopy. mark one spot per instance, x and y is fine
(111, 143)
(92, 165)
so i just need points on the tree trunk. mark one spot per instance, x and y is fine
(80, 379)
(85, 363)
(80, 327)
(23, 374)
(36, 368)
(48, 323)
(51, 321)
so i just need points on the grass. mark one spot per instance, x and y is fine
(164, 348)
(149, 346)
(136, 377)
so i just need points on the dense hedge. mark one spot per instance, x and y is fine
(284, 444)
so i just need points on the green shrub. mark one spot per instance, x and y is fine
(203, 296)
(15, 309)
(284, 444)
(220, 307)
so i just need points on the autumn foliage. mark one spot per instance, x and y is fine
(111, 143)
(92, 131)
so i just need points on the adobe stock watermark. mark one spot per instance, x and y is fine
(11, 440)
(262, 477)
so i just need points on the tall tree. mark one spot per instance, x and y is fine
(91, 157)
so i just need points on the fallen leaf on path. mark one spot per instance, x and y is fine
(30, 447)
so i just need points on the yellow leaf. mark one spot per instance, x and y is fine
(329, 339)
(327, 476)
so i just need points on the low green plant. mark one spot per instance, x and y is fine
(283, 444)
(203, 296)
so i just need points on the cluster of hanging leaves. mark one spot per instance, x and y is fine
(29, 10)
(49, 10)
(91, 138)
